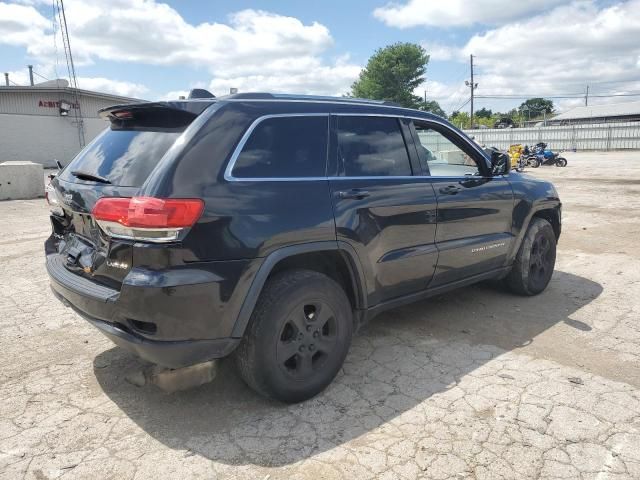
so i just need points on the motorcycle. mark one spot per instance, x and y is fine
(541, 155)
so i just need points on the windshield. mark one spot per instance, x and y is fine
(123, 157)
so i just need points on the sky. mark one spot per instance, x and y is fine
(157, 50)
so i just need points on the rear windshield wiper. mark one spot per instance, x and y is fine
(89, 176)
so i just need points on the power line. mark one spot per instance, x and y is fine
(463, 105)
(62, 18)
(41, 76)
(573, 95)
(462, 73)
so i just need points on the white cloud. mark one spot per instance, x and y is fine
(175, 95)
(253, 49)
(562, 52)
(307, 76)
(449, 13)
(438, 51)
(117, 87)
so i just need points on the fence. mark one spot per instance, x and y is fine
(597, 136)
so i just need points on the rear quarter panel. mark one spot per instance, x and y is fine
(241, 219)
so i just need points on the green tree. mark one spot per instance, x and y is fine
(460, 119)
(393, 73)
(483, 113)
(537, 106)
(433, 107)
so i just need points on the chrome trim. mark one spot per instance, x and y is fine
(117, 230)
(236, 153)
(473, 144)
(228, 176)
(399, 177)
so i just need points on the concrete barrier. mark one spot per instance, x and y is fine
(21, 180)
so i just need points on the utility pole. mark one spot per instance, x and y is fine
(586, 97)
(472, 86)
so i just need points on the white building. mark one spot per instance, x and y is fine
(39, 123)
(617, 112)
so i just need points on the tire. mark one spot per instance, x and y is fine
(535, 163)
(298, 336)
(534, 263)
(561, 162)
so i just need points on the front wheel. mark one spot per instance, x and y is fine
(298, 337)
(561, 162)
(534, 263)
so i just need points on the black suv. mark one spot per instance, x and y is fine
(270, 227)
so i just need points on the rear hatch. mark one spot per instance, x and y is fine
(115, 164)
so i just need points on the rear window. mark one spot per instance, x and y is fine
(124, 157)
(285, 147)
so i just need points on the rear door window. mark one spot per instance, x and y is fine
(124, 157)
(371, 147)
(285, 147)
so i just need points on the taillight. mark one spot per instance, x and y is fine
(51, 197)
(147, 218)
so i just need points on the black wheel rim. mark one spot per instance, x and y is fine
(307, 339)
(540, 260)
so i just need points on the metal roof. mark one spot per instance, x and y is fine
(68, 91)
(599, 111)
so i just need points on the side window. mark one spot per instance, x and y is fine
(371, 147)
(284, 147)
(442, 157)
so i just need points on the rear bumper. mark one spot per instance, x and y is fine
(186, 325)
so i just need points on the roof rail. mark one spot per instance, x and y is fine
(287, 96)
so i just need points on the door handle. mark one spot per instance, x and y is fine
(354, 193)
(450, 189)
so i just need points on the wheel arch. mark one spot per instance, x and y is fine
(334, 259)
(549, 211)
(551, 215)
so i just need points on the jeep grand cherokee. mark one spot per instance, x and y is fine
(269, 227)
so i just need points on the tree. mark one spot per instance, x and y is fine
(433, 107)
(537, 106)
(393, 73)
(460, 119)
(483, 113)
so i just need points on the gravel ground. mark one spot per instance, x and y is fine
(476, 383)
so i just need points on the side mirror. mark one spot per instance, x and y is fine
(500, 163)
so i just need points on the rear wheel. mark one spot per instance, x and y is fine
(561, 162)
(298, 337)
(534, 263)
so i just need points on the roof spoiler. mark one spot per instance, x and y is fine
(155, 115)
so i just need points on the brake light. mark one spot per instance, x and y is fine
(147, 218)
(123, 114)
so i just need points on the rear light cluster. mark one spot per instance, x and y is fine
(51, 197)
(147, 218)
